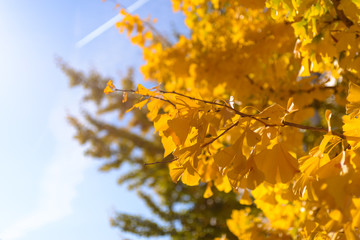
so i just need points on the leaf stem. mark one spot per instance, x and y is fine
(219, 136)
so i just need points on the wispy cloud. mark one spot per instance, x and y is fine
(60, 180)
(97, 32)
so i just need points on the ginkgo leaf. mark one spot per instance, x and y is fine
(305, 69)
(355, 212)
(351, 126)
(224, 157)
(190, 177)
(273, 115)
(310, 164)
(208, 192)
(175, 171)
(108, 90)
(168, 144)
(353, 107)
(333, 168)
(350, 233)
(291, 106)
(245, 198)
(139, 105)
(184, 102)
(277, 164)
(161, 122)
(144, 91)
(328, 138)
(245, 174)
(110, 84)
(252, 138)
(181, 127)
(337, 190)
(223, 184)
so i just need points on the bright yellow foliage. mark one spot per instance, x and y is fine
(235, 105)
(109, 87)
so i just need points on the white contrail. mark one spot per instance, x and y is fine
(97, 32)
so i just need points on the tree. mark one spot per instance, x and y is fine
(262, 97)
(176, 209)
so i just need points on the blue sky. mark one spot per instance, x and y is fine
(49, 190)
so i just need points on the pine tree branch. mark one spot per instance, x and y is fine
(158, 162)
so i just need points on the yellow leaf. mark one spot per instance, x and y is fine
(223, 184)
(321, 236)
(355, 213)
(110, 84)
(350, 234)
(277, 164)
(353, 107)
(273, 115)
(336, 215)
(109, 87)
(208, 193)
(224, 157)
(291, 106)
(139, 105)
(144, 91)
(246, 199)
(310, 164)
(351, 126)
(334, 167)
(161, 123)
(108, 90)
(168, 144)
(181, 127)
(190, 177)
(182, 102)
(337, 189)
(328, 138)
(175, 171)
(305, 72)
(252, 138)
(154, 106)
(244, 173)
(327, 117)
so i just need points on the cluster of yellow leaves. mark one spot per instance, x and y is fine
(109, 87)
(135, 28)
(327, 32)
(324, 198)
(221, 113)
(230, 149)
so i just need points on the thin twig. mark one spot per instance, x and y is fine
(133, 91)
(219, 136)
(237, 112)
(169, 161)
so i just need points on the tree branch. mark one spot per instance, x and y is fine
(241, 114)
(133, 91)
(219, 136)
